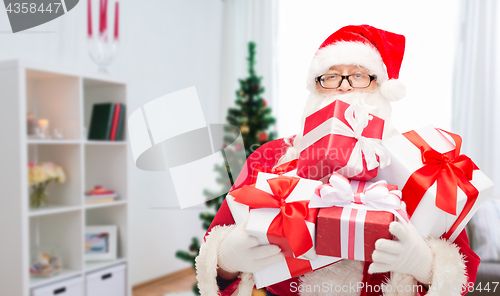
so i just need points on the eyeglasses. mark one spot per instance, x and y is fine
(332, 81)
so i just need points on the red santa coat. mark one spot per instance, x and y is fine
(454, 264)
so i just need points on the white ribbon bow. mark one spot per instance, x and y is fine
(377, 196)
(370, 147)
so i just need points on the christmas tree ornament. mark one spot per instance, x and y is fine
(263, 137)
(245, 129)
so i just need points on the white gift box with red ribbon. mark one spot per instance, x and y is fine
(406, 159)
(260, 220)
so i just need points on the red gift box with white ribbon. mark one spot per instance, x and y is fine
(342, 138)
(354, 215)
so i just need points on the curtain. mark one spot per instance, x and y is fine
(245, 21)
(475, 88)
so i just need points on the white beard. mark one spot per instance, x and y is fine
(371, 102)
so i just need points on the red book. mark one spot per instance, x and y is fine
(114, 125)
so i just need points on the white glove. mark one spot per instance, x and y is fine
(241, 252)
(410, 254)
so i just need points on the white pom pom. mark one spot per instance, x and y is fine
(393, 90)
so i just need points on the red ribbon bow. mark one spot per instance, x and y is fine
(288, 227)
(450, 170)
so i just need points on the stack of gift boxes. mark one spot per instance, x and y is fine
(348, 186)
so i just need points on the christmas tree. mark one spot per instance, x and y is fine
(253, 117)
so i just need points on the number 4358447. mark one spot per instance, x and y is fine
(32, 8)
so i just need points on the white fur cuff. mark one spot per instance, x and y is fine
(448, 273)
(206, 265)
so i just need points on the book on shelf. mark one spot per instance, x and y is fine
(100, 195)
(96, 200)
(101, 120)
(92, 196)
(106, 122)
(114, 126)
(121, 120)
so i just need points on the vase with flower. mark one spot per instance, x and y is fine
(39, 176)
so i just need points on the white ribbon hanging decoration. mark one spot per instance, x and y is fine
(370, 147)
(375, 197)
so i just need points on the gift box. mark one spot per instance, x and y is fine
(277, 212)
(239, 211)
(290, 268)
(259, 221)
(342, 138)
(351, 233)
(354, 215)
(442, 188)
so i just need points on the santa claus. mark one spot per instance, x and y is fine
(359, 65)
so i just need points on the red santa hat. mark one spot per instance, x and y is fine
(379, 51)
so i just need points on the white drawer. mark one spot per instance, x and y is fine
(69, 287)
(107, 282)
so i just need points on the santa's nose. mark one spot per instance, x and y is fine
(345, 86)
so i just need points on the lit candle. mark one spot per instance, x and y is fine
(89, 17)
(43, 123)
(116, 20)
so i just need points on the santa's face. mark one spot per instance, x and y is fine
(369, 99)
(345, 87)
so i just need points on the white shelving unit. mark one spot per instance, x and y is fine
(65, 97)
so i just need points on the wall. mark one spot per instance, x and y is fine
(165, 46)
(430, 28)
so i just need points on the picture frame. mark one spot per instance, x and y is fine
(100, 242)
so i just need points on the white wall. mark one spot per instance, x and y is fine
(430, 30)
(165, 46)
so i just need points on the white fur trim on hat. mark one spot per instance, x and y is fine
(206, 265)
(393, 90)
(448, 273)
(346, 53)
